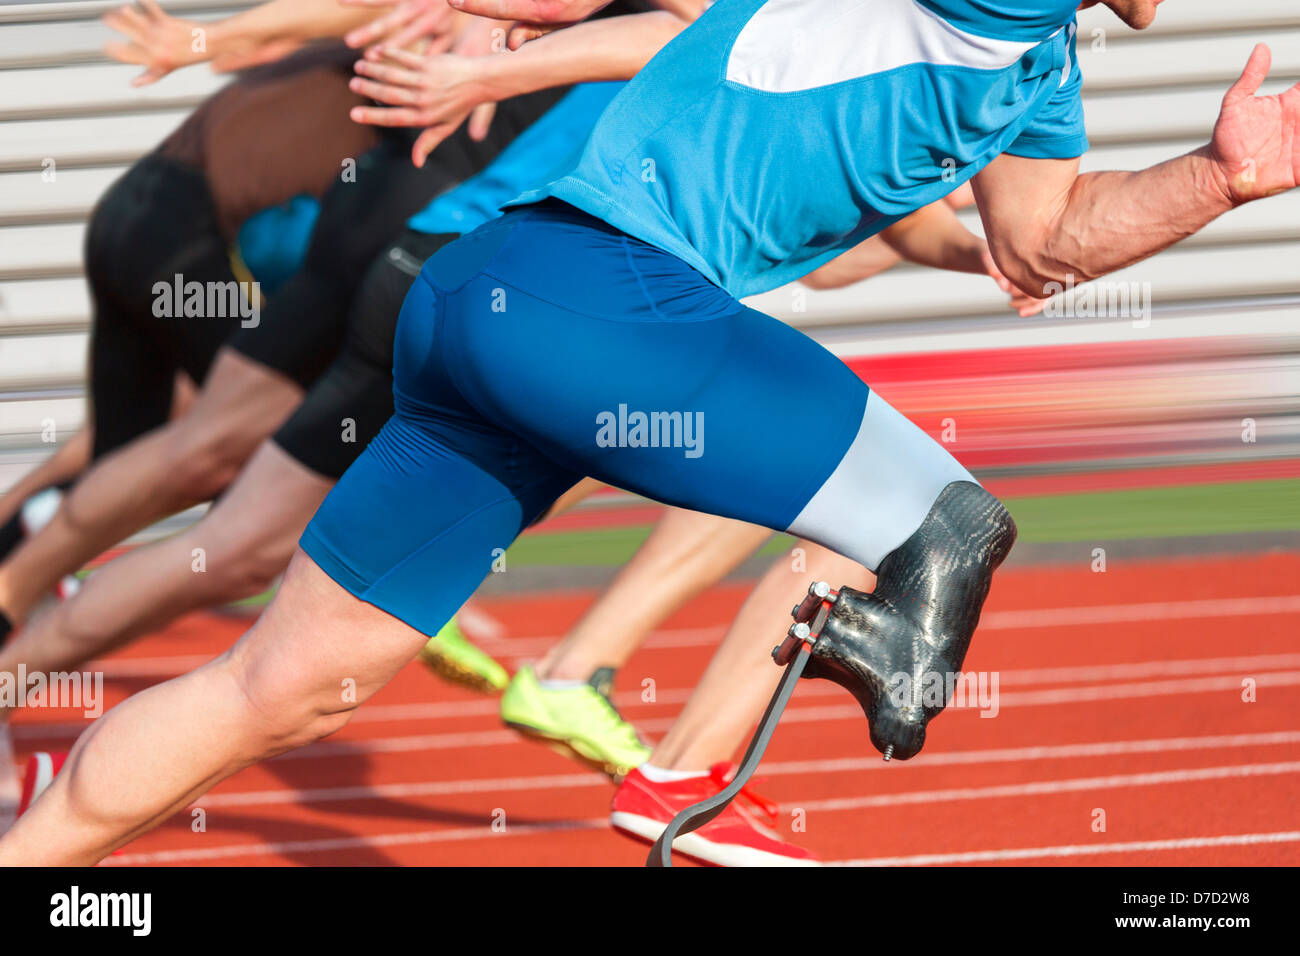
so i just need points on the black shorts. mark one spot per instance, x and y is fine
(303, 329)
(347, 405)
(154, 223)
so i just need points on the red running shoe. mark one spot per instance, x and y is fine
(741, 835)
(41, 768)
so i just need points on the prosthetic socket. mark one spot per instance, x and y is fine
(886, 648)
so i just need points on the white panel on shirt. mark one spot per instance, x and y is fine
(791, 45)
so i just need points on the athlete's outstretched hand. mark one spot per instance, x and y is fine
(410, 21)
(155, 40)
(1256, 142)
(436, 91)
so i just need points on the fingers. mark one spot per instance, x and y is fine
(151, 75)
(435, 23)
(388, 116)
(410, 21)
(414, 60)
(126, 20)
(439, 44)
(1291, 101)
(1026, 305)
(428, 141)
(387, 73)
(496, 9)
(521, 33)
(480, 121)
(531, 11)
(152, 10)
(382, 26)
(384, 93)
(1252, 77)
(126, 53)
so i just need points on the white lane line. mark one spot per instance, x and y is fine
(1082, 849)
(1107, 748)
(1082, 674)
(917, 797)
(1048, 787)
(395, 713)
(397, 791)
(1089, 673)
(1087, 615)
(699, 636)
(873, 762)
(516, 647)
(1153, 611)
(774, 768)
(1071, 695)
(1190, 685)
(1079, 674)
(210, 854)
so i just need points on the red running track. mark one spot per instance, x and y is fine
(1120, 694)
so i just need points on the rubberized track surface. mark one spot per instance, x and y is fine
(1120, 693)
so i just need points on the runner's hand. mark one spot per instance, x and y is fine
(155, 40)
(436, 91)
(1256, 142)
(410, 21)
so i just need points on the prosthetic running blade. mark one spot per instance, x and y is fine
(889, 647)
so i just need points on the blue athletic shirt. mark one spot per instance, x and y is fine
(771, 135)
(543, 149)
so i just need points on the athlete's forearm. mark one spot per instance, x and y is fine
(868, 258)
(613, 49)
(300, 20)
(934, 236)
(1108, 220)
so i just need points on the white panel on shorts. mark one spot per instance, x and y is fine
(881, 490)
(791, 45)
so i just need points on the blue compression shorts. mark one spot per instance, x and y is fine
(547, 345)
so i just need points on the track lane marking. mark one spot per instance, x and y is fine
(794, 714)
(278, 795)
(1068, 850)
(671, 638)
(914, 797)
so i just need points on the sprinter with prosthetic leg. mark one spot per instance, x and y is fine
(797, 441)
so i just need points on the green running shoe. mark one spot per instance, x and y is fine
(451, 656)
(579, 722)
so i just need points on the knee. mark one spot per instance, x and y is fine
(287, 710)
(202, 459)
(236, 567)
